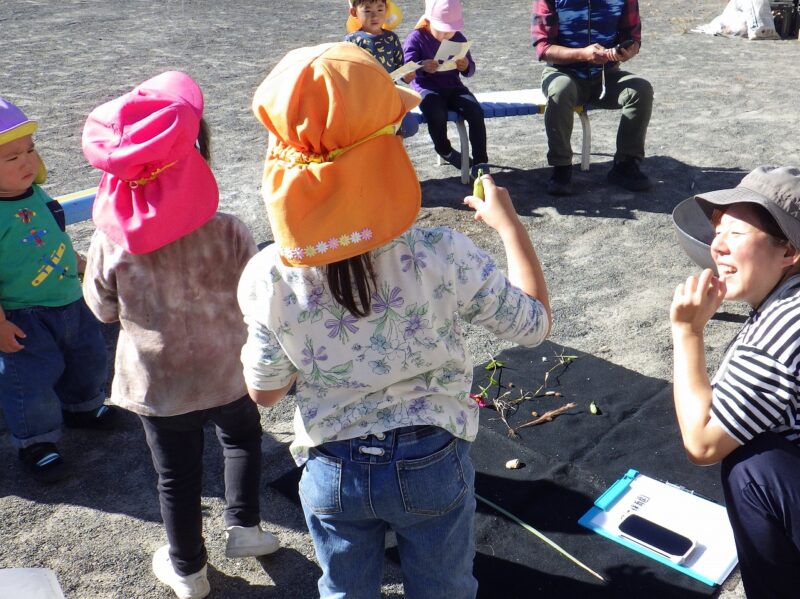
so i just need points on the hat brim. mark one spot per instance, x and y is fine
(379, 204)
(441, 25)
(409, 98)
(21, 130)
(694, 232)
(788, 224)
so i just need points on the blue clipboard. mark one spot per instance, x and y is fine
(715, 556)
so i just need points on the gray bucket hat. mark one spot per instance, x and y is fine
(776, 188)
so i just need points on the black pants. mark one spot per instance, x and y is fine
(176, 445)
(761, 481)
(435, 106)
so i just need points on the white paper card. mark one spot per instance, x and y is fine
(407, 68)
(449, 52)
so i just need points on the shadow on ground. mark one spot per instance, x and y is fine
(593, 197)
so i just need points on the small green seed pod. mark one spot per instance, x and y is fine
(477, 186)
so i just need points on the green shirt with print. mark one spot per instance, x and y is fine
(37, 263)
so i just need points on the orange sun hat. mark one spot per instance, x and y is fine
(337, 180)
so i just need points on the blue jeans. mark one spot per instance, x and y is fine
(176, 446)
(762, 495)
(419, 481)
(63, 366)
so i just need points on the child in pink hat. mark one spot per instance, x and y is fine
(53, 361)
(442, 90)
(166, 265)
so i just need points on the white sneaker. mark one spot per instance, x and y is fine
(249, 541)
(194, 586)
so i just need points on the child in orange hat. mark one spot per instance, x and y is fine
(359, 308)
(53, 360)
(166, 265)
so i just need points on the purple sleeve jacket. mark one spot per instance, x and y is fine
(421, 45)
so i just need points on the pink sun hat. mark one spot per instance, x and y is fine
(444, 15)
(156, 186)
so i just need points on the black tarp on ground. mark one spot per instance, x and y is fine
(568, 463)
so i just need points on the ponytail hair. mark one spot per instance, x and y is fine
(351, 277)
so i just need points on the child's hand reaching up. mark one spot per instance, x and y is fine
(8, 337)
(496, 210)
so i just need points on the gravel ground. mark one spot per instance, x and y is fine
(723, 106)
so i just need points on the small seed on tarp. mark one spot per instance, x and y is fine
(514, 464)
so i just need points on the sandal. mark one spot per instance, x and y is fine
(43, 462)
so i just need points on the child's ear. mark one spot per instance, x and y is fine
(353, 12)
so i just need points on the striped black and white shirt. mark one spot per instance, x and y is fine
(757, 386)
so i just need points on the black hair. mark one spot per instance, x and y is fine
(204, 140)
(764, 221)
(357, 3)
(350, 277)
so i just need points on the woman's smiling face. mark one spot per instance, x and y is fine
(750, 261)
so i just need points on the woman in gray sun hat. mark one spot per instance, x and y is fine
(747, 415)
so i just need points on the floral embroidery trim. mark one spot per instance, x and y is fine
(321, 247)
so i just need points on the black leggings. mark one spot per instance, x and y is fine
(176, 445)
(435, 106)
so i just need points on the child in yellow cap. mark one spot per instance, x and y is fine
(53, 361)
(374, 35)
(360, 309)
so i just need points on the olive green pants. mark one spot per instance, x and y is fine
(624, 91)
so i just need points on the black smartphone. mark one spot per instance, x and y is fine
(624, 45)
(662, 540)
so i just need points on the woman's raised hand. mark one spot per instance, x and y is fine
(696, 301)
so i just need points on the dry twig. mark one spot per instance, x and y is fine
(549, 415)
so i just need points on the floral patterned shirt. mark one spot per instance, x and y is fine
(405, 363)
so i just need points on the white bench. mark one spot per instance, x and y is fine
(78, 205)
(507, 104)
